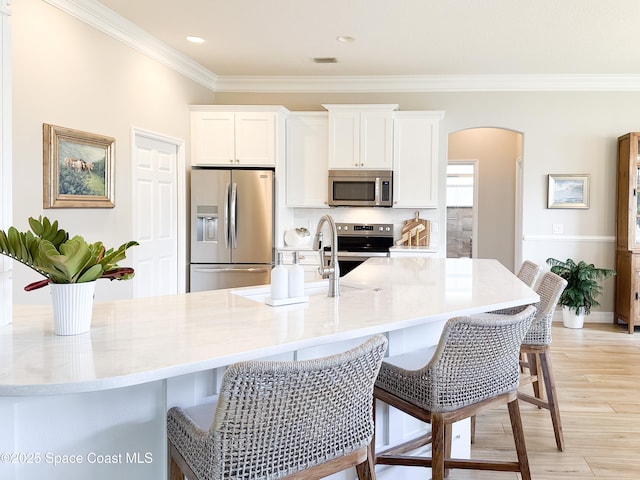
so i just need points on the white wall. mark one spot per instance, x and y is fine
(67, 73)
(6, 283)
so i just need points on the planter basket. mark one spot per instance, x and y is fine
(72, 307)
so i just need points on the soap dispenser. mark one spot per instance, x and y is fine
(279, 280)
(296, 278)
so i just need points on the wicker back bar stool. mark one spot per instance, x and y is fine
(474, 367)
(274, 420)
(536, 349)
(535, 354)
(529, 273)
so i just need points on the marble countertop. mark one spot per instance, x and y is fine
(142, 340)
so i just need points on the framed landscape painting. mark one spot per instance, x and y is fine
(78, 168)
(568, 191)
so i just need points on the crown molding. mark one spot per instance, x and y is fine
(102, 18)
(432, 83)
(107, 21)
(5, 7)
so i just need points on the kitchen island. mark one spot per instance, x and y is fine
(94, 405)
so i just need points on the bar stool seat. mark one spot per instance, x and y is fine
(474, 367)
(274, 420)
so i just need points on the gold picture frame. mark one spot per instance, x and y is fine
(78, 168)
(568, 191)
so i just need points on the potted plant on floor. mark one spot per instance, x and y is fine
(70, 265)
(582, 288)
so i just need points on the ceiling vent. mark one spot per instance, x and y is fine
(325, 60)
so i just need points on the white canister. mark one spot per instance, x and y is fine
(279, 280)
(296, 278)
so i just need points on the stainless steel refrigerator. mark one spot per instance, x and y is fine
(232, 228)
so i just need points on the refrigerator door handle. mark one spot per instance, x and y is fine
(226, 217)
(231, 270)
(234, 215)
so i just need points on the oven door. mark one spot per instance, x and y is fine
(350, 260)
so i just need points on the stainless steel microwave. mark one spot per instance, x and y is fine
(360, 188)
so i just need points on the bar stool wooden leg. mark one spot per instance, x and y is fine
(547, 380)
(533, 362)
(176, 471)
(438, 446)
(518, 438)
(448, 440)
(366, 470)
(473, 429)
(552, 398)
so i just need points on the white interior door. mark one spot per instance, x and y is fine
(158, 171)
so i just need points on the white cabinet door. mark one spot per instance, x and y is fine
(344, 139)
(361, 136)
(232, 138)
(212, 138)
(376, 140)
(255, 139)
(306, 160)
(415, 159)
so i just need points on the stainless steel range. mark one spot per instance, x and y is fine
(359, 241)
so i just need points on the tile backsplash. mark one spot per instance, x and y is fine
(308, 218)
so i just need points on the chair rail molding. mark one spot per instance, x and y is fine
(568, 238)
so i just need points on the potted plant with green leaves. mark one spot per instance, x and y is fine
(583, 286)
(71, 265)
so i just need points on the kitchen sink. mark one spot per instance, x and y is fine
(261, 292)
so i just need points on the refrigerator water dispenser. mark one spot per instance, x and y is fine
(207, 223)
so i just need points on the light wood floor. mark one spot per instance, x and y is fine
(597, 371)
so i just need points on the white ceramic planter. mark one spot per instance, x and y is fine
(72, 307)
(572, 320)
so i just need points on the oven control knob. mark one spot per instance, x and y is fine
(339, 227)
(346, 227)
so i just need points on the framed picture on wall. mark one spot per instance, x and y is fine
(78, 168)
(568, 191)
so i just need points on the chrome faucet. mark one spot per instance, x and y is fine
(333, 270)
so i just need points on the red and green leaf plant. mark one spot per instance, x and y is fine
(60, 259)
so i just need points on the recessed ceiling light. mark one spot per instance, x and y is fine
(194, 39)
(345, 39)
(325, 60)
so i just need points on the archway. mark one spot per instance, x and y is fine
(497, 153)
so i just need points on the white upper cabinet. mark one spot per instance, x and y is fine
(415, 159)
(306, 159)
(361, 136)
(233, 138)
